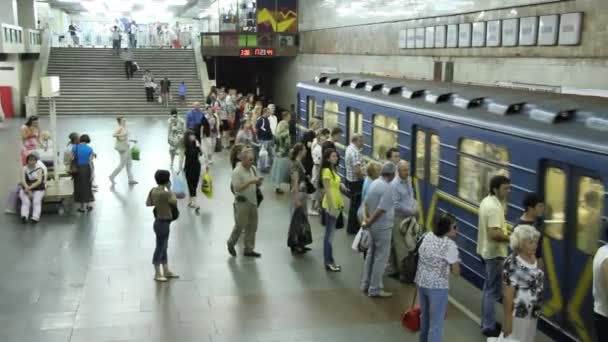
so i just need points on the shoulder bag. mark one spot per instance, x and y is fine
(258, 192)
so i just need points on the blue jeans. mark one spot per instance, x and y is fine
(375, 260)
(161, 229)
(433, 306)
(330, 230)
(492, 292)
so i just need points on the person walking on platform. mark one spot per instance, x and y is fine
(192, 166)
(165, 91)
(210, 134)
(149, 85)
(175, 138)
(406, 208)
(523, 281)
(181, 91)
(279, 172)
(492, 239)
(600, 291)
(379, 203)
(196, 119)
(437, 257)
(332, 204)
(265, 138)
(115, 40)
(245, 181)
(122, 146)
(127, 57)
(83, 181)
(355, 166)
(32, 189)
(299, 228)
(162, 198)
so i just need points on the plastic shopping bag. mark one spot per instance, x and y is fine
(207, 186)
(135, 152)
(501, 338)
(263, 158)
(179, 186)
(362, 241)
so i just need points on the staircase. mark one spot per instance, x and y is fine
(93, 81)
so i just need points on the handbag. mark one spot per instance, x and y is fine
(410, 319)
(207, 185)
(310, 188)
(218, 145)
(258, 192)
(409, 264)
(362, 241)
(74, 164)
(179, 186)
(340, 221)
(135, 153)
(13, 201)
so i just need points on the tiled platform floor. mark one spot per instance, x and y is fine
(89, 277)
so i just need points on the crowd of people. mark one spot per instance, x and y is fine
(381, 203)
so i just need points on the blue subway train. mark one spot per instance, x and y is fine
(458, 136)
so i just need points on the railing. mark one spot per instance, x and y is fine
(40, 70)
(33, 41)
(12, 39)
(103, 39)
(230, 43)
(201, 66)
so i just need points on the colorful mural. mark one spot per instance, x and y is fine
(277, 16)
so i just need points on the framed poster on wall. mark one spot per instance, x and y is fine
(570, 28)
(479, 34)
(440, 32)
(547, 29)
(528, 31)
(494, 33)
(464, 35)
(452, 36)
(510, 32)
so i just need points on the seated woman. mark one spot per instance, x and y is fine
(32, 189)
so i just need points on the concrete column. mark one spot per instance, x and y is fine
(27, 16)
(8, 12)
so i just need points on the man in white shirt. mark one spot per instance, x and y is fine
(274, 121)
(116, 40)
(355, 166)
(317, 157)
(127, 57)
(492, 240)
(600, 291)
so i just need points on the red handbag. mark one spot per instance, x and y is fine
(410, 319)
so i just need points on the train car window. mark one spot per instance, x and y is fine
(330, 114)
(420, 154)
(434, 162)
(589, 214)
(555, 202)
(385, 135)
(312, 109)
(355, 122)
(478, 163)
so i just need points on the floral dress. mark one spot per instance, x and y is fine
(177, 127)
(528, 282)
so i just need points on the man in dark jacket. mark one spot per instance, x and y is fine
(265, 138)
(165, 90)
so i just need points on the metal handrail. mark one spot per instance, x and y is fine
(40, 70)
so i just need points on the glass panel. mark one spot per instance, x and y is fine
(420, 154)
(490, 152)
(330, 114)
(355, 122)
(5, 34)
(385, 135)
(475, 173)
(589, 214)
(435, 155)
(312, 108)
(228, 15)
(555, 202)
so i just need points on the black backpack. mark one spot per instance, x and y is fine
(409, 265)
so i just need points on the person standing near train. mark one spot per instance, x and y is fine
(492, 239)
(533, 216)
(355, 166)
(600, 291)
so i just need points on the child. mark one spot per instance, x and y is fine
(182, 91)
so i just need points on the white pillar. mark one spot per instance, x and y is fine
(27, 14)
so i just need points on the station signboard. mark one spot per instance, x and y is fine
(256, 52)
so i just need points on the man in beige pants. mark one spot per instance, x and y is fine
(245, 181)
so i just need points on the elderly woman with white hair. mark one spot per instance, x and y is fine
(523, 285)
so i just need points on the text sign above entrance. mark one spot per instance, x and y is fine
(256, 52)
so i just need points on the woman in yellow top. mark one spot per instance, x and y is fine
(332, 205)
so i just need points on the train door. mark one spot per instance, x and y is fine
(426, 168)
(573, 222)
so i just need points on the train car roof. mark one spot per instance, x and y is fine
(579, 122)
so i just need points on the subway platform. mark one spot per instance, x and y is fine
(88, 277)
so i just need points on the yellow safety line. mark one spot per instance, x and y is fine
(556, 303)
(582, 288)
